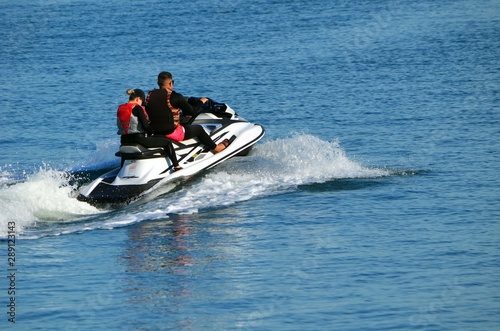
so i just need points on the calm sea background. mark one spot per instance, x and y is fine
(372, 203)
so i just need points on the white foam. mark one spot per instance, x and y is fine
(308, 159)
(272, 167)
(43, 196)
(5, 177)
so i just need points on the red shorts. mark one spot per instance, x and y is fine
(178, 134)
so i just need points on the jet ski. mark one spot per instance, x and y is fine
(144, 170)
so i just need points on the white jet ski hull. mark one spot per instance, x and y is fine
(144, 170)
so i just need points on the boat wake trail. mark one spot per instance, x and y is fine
(45, 204)
(43, 196)
(273, 167)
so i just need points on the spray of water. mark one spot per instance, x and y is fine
(274, 167)
(43, 196)
(48, 196)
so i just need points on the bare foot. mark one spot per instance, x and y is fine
(219, 148)
(222, 146)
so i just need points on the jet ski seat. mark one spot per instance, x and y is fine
(137, 152)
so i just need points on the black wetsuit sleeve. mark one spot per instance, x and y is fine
(139, 113)
(177, 100)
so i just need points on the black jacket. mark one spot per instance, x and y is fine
(160, 114)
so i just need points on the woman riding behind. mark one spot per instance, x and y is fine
(134, 126)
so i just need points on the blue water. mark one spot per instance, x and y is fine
(372, 203)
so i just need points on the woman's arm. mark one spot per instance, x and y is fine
(139, 113)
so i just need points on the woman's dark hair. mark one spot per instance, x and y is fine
(137, 93)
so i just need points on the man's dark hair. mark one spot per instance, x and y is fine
(163, 77)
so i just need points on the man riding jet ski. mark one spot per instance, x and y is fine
(164, 106)
(145, 169)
